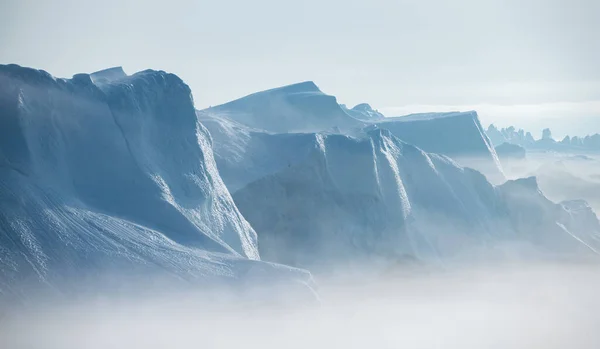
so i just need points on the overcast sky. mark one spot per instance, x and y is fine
(524, 60)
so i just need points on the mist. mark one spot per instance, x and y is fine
(561, 176)
(518, 306)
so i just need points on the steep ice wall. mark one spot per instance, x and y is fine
(378, 198)
(108, 170)
(300, 107)
(458, 135)
(244, 155)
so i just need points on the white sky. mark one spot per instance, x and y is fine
(515, 58)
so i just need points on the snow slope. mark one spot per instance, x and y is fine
(112, 172)
(299, 107)
(458, 135)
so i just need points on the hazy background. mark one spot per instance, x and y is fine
(532, 63)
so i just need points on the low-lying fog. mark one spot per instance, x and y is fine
(560, 176)
(550, 306)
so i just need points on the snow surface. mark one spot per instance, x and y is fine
(301, 107)
(108, 171)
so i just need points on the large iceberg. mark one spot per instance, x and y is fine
(304, 108)
(318, 199)
(112, 172)
(388, 191)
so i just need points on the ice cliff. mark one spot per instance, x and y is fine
(111, 172)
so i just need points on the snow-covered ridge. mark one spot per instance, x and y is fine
(364, 112)
(299, 107)
(106, 170)
(144, 125)
(431, 116)
(303, 107)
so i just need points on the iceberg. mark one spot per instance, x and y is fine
(342, 199)
(304, 108)
(112, 174)
(107, 171)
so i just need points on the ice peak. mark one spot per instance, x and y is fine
(30, 75)
(300, 107)
(364, 111)
(363, 107)
(305, 86)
